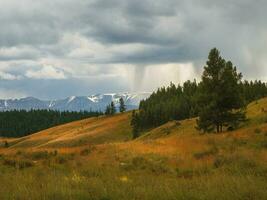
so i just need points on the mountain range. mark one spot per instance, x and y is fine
(96, 102)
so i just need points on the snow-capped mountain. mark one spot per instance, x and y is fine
(96, 102)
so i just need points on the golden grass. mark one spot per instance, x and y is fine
(173, 161)
(80, 133)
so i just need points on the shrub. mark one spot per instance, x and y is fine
(220, 161)
(213, 151)
(6, 145)
(18, 153)
(61, 159)
(234, 163)
(20, 164)
(190, 173)
(86, 151)
(39, 155)
(155, 165)
(264, 144)
(10, 162)
(230, 128)
(55, 153)
(64, 158)
(257, 130)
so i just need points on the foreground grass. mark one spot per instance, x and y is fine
(111, 173)
(170, 162)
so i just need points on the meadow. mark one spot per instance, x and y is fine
(97, 159)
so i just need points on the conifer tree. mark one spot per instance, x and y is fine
(112, 108)
(134, 124)
(122, 105)
(220, 100)
(108, 110)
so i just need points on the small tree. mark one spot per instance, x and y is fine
(122, 105)
(108, 110)
(112, 108)
(135, 124)
(6, 144)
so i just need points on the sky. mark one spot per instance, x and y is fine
(53, 49)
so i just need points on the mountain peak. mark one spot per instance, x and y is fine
(76, 103)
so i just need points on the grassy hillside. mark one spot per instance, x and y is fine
(94, 159)
(92, 131)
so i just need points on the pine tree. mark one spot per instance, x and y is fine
(122, 105)
(135, 124)
(108, 110)
(220, 101)
(112, 108)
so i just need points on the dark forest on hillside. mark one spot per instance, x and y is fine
(18, 123)
(215, 99)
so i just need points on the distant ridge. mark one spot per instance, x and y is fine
(97, 102)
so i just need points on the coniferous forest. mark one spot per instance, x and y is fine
(18, 123)
(218, 99)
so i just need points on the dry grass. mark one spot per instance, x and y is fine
(76, 134)
(95, 159)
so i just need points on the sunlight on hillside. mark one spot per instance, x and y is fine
(96, 158)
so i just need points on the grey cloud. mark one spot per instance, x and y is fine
(70, 34)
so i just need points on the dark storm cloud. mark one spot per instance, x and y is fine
(197, 26)
(80, 36)
(129, 21)
(173, 27)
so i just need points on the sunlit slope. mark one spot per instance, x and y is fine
(169, 137)
(184, 139)
(257, 110)
(256, 113)
(173, 161)
(85, 132)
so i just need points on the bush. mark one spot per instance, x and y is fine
(39, 155)
(220, 161)
(86, 151)
(20, 164)
(230, 128)
(6, 145)
(264, 144)
(190, 173)
(152, 164)
(64, 158)
(213, 151)
(61, 159)
(234, 163)
(257, 130)
(18, 153)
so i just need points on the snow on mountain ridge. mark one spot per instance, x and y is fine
(97, 102)
(71, 99)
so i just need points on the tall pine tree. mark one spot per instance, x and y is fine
(220, 99)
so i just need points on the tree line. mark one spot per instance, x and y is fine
(18, 123)
(111, 108)
(218, 100)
